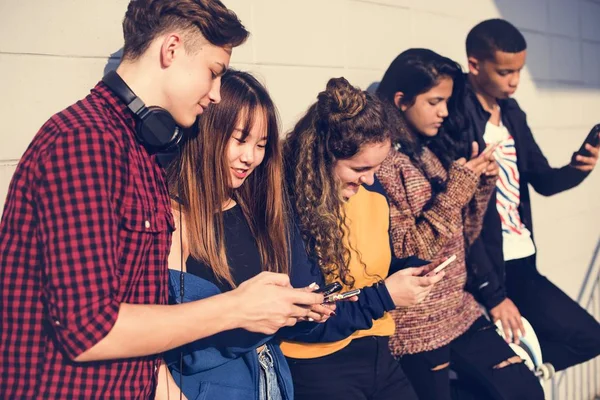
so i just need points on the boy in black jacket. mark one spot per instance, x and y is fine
(502, 262)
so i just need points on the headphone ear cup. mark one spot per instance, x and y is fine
(157, 129)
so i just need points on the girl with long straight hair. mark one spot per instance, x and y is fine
(437, 201)
(227, 192)
(330, 155)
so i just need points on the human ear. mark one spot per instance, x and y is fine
(474, 65)
(398, 96)
(170, 46)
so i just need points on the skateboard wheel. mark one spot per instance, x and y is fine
(545, 371)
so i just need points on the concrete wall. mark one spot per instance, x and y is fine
(53, 51)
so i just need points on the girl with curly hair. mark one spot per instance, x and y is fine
(333, 151)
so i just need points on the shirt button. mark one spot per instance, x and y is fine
(147, 224)
(57, 323)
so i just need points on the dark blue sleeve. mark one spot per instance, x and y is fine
(302, 274)
(545, 179)
(350, 317)
(398, 264)
(373, 302)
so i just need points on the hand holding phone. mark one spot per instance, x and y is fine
(479, 162)
(440, 267)
(586, 157)
(322, 311)
(591, 139)
(408, 287)
(329, 291)
(490, 148)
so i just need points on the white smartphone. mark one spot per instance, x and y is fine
(490, 146)
(441, 266)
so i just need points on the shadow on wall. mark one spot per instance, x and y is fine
(372, 88)
(563, 41)
(113, 61)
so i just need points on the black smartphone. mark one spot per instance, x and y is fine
(330, 289)
(592, 138)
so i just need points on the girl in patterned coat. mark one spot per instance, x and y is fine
(438, 190)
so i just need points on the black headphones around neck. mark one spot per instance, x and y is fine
(156, 129)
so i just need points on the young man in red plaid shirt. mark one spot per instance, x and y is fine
(87, 226)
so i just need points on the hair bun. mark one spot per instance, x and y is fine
(340, 101)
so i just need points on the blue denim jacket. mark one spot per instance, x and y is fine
(225, 365)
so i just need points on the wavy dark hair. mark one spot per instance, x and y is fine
(343, 119)
(200, 177)
(414, 72)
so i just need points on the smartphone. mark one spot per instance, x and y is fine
(592, 138)
(490, 146)
(330, 289)
(441, 266)
(341, 296)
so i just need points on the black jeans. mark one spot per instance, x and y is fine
(568, 335)
(363, 370)
(473, 356)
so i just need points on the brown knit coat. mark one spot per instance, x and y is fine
(452, 222)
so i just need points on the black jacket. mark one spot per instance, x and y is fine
(485, 260)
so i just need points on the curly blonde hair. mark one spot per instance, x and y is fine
(343, 119)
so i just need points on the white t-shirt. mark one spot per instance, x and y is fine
(517, 242)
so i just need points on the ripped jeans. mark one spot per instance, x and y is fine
(268, 384)
(475, 356)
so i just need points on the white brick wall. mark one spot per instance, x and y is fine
(53, 51)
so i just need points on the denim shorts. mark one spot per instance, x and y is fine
(268, 382)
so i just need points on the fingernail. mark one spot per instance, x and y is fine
(313, 285)
(311, 320)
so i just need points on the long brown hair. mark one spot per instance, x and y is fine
(200, 178)
(343, 119)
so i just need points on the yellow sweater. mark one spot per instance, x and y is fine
(367, 215)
